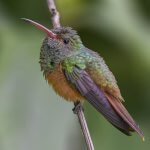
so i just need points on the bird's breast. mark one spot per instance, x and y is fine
(61, 86)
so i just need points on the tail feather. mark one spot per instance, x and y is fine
(123, 113)
(109, 113)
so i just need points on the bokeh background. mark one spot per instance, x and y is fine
(32, 116)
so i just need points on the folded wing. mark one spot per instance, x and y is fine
(113, 111)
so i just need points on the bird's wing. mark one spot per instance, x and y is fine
(114, 112)
(102, 76)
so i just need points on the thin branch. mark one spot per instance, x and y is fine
(54, 13)
(78, 109)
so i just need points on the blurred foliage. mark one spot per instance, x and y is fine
(31, 115)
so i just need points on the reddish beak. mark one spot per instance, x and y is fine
(41, 27)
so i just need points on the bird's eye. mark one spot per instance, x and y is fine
(66, 41)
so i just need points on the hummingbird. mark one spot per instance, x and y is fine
(79, 74)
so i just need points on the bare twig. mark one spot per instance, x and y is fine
(54, 13)
(78, 109)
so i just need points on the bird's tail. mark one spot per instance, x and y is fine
(123, 113)
(102, 104)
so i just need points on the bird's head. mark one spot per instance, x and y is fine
(59, 43)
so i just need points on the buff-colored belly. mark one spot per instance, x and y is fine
(61, 86)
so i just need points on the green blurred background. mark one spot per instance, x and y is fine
(32, 116)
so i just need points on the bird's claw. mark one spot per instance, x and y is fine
(77, 107)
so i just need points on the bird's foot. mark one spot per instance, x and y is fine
(77, 107)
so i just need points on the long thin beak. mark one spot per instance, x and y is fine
(41, 27)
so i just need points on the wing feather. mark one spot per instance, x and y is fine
(121, 110)
(96, 97)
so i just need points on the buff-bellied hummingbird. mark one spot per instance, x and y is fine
(79, 74)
